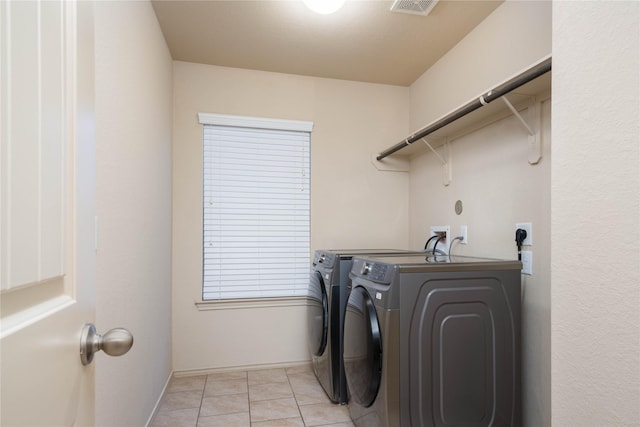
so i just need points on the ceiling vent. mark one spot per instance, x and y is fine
(415, 7)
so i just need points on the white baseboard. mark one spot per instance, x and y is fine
(157, 405)
(207, 371)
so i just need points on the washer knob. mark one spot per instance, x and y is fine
(366, 269)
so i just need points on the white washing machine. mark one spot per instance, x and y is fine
(433, 341)
(327, 299)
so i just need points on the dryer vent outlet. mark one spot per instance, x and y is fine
(443, 243)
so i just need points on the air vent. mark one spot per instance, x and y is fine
(415, 7)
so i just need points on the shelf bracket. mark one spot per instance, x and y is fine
(534, 146)
(518, 116)
(535, 141)
(446, 164)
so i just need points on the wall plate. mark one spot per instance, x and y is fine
(526, 226)
(443, 244)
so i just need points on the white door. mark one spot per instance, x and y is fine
(47, 210)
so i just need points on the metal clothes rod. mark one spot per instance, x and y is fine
(492, 95)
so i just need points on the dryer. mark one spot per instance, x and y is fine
(327, 298)
(433, 341)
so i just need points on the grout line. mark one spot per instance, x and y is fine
(206, 378)
(295, 398)
(248, 396)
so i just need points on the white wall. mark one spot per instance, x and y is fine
(595, 194)
(491, 174)
(353, 204)
(134, 122)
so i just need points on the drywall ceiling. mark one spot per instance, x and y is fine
(363, 41)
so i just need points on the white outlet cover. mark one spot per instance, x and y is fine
(527, 262)
(463, 233)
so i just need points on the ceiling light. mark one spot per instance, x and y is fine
(324, 7)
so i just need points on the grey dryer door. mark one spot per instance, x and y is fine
(317, 315)
(362, 348)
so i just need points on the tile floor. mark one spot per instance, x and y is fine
(280, 397)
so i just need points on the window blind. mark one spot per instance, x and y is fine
(256, 206)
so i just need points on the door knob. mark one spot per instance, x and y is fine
(115, 342)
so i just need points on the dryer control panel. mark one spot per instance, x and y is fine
(372, 271)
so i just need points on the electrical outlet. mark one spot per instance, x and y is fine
(526, 226)
(445, 230)
(463, 233)
(527, 262)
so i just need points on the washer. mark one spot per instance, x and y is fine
(328, 292)
(433, 341)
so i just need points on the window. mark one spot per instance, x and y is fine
(256, 202)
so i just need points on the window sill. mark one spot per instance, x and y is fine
(238, 304)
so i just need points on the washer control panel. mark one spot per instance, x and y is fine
(371, 270)
(321, 258)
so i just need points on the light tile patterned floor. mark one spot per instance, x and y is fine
(284, 397)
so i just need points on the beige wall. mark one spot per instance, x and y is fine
(491, 174)
(353, 204)
(514, 36)
(595, 232)
(133, 118)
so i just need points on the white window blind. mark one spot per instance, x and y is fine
(256, 202)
